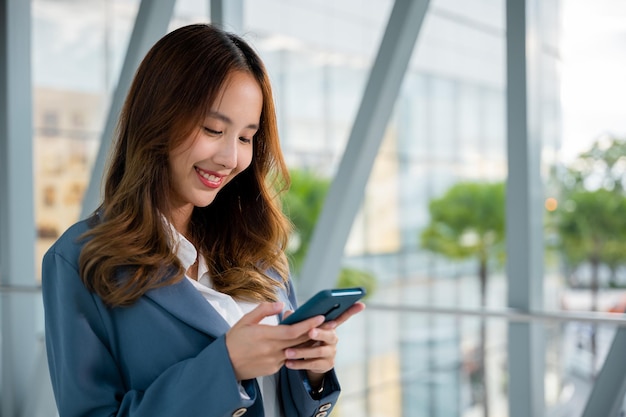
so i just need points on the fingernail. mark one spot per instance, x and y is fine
(290, 353)
(314, 333)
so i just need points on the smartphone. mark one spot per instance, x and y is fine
(328, 303)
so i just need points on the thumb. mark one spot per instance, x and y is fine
(260, 312)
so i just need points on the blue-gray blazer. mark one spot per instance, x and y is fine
(163, 356)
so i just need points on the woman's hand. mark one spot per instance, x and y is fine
(317, 355)
(257, 349)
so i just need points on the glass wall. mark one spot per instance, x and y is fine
(584, 263)
(448, 126)
(448, 129)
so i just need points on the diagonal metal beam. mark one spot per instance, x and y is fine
(345, 195)
(151, 24)
(609, 389)
(524, 221)
(17, 219)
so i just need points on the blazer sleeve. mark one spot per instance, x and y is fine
(296, 399)
(85, 375)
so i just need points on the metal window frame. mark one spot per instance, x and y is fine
(17, 220)
(524, 221)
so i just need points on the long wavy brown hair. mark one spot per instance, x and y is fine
(242, 234)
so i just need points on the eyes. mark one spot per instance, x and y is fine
(218, 133)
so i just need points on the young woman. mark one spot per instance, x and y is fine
(166, 301)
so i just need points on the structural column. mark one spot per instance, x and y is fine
(524, 220)
(17, 227)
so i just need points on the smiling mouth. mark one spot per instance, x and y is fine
(210, 180)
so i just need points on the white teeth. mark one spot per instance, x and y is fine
(209, 177)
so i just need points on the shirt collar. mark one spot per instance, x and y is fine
(187, 253)
(183, 248)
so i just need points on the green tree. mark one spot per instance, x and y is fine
(601, 167)
(591, 228)
(591, 220)
(303, 204)
(593, 187)
(467, 222)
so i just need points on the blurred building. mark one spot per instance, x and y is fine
(67, 125)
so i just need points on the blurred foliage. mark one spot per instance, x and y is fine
(303, 204)
(590, 221)
(601, 167)
(353, 277)
(591, 227)
(468, 222)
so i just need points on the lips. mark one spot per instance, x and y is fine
(209, 179)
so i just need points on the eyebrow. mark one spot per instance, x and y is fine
(228, 120)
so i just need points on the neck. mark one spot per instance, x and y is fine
(181, 219)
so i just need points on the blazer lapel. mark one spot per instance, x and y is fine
(184, 302)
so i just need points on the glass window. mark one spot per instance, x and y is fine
(448, 127)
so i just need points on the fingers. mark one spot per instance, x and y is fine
(300, 329)
(354, 309)
(318, 358)
(314, 338)
(318, 353)
(317, 365)
(257, 349)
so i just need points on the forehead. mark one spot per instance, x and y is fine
(240, 96)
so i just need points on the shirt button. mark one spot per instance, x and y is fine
(325, 407)
(322, 414)
(242, 411)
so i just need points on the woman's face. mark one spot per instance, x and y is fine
(219, 149)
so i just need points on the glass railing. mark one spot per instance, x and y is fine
(414, 361)
(420, 361)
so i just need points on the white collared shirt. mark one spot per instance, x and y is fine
(230, 309)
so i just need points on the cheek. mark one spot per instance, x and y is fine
(173, 168)
(178, 174)
(179, 163)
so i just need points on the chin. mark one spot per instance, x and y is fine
(204, 202)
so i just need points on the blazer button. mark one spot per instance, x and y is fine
(242, 411)
(325, 407)
(322, 414)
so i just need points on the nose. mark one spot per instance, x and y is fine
(227, 153)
